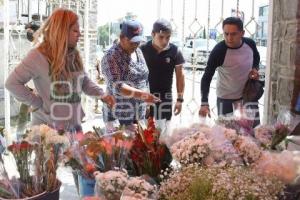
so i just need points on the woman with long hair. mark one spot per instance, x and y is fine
(56, 68)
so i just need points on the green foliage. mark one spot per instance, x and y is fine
(200, 189)
(108, 31)
(250, 197)
(103, 35)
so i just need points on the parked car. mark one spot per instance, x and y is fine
(177, 42)
(201, 50)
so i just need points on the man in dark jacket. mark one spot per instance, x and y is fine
(237, 60)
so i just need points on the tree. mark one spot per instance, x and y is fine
(105, 30)
(103, 35)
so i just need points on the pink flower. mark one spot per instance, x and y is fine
(79, 136)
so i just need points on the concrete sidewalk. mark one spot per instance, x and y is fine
(68, 189)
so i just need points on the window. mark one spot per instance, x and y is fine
(264, 11)
(261, 11)
(265, 30)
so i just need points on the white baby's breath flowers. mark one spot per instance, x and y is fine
(219, 183)
(222, 152)
(230, 134)
(110, 184)
(191, 149)
(264, 134)
(248, 149)
(183, 132)
(280, 165)
(139, 188)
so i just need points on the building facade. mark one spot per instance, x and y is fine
(262, 28)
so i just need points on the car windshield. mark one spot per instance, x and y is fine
(177, 43)
(203, 44)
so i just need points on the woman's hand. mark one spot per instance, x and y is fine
(109, 100)
(149, 98)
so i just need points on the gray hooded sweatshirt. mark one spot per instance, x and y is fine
(57, 104)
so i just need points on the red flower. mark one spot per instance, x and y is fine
(148, 134)
(147, 153)
(12, 147)
(90, 168)
(138, 143)
(25, 145)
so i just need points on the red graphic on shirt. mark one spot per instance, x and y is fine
(138, 30)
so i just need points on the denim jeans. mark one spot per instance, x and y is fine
(225, 107)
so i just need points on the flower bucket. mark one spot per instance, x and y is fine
(35, 197)
(54, 195)
(86, 186)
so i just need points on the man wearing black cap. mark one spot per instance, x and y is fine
(126, 76)
(163, 58)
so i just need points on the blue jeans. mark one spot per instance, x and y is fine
(225, 107)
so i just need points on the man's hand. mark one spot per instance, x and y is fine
(254, 74)
(109, 100)
(177, 108)
(204, 111)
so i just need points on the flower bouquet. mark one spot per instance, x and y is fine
(194, 182)
(182, 132)
(98, 153)
(8, 190)
(280, 165)
(222, 151)
(192, 149)
(264, 134)
(148, 155)
(36, 159)
(271, 136)
(110, 184)
(243, 125)
(95, 151)
(49, 146)
(208, 146)
(116, 184)
(279, 135)
(248, 149)
(138, 188)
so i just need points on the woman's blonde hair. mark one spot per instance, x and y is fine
(54, 44)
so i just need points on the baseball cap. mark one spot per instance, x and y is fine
(162, 25)
(133, 30)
